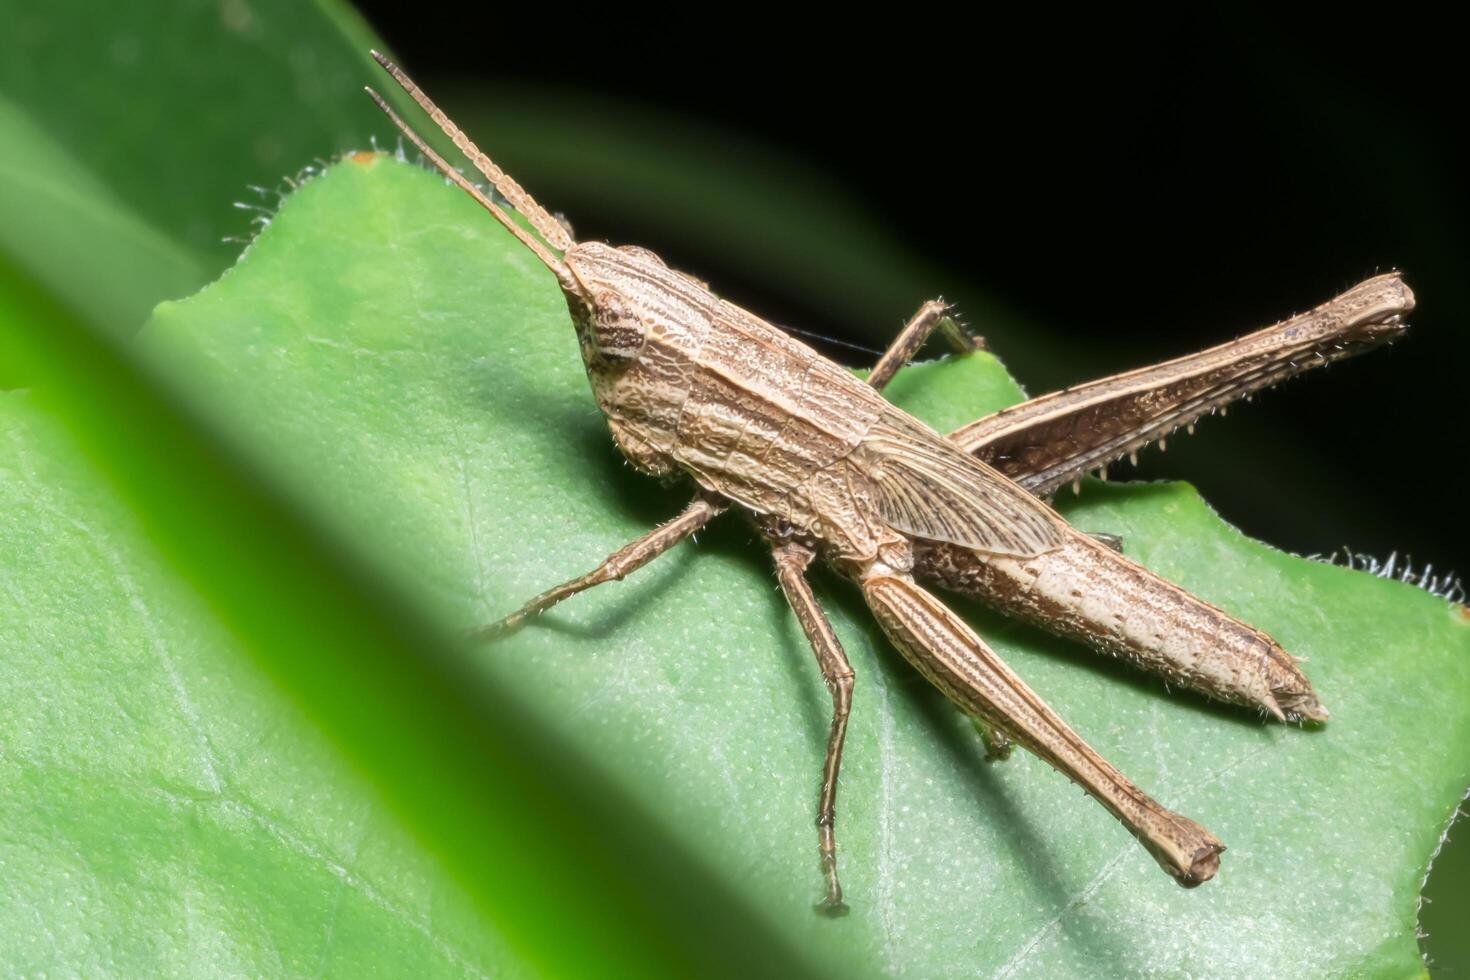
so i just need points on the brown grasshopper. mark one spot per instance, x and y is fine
(697, 388)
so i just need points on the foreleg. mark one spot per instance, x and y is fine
(624, 561)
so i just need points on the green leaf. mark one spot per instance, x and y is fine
(395, 352)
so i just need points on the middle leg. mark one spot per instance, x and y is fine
(792, 560)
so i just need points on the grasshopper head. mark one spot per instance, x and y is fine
(617, 293)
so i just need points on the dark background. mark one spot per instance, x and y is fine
(1129, 191)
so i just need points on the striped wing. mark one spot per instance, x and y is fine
(930, 489)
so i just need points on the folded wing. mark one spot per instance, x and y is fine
(930, 489)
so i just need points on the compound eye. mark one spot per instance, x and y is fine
(617, 330)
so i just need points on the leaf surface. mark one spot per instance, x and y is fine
(396, 352)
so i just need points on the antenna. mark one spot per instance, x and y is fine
(550, 230)
(551, 261)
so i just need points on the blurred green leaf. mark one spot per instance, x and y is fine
(1446, 897)
(130, 128)
(394, 351)
(49, 202)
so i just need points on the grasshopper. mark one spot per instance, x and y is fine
(695, 388)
